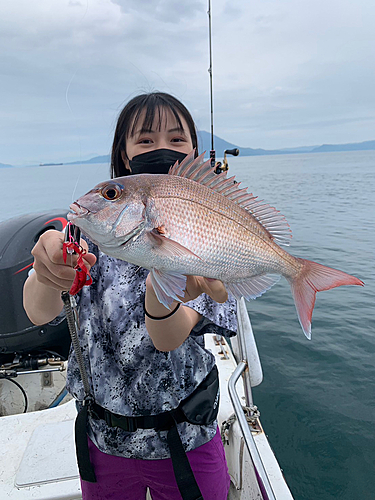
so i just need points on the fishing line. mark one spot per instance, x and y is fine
(168, 86)
(75, 187)
(71, 111)
(75, 125)
(87, 8)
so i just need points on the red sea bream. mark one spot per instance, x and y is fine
(194, 222)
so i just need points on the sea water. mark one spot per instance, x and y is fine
(317, 397)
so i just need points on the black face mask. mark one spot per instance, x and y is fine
(157, 161)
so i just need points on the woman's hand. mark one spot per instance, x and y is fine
(42, 290)
(49, 265)
(169, 333)
(196, 285)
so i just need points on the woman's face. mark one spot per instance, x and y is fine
(166, 135)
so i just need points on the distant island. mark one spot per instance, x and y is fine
(356, 146)
(204, 144)
(221, 145)
(96, 159)
(49, 164)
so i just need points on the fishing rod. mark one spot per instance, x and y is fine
(219, 167)
(212, 152)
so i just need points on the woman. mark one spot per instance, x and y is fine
(142, 359)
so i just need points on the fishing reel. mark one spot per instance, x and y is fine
(223, 167)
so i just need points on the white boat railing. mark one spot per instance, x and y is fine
(246, 432)
(244, 348)
(248, 365)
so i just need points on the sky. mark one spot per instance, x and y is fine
(285, 73)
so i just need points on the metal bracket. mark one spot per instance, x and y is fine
(46, 378)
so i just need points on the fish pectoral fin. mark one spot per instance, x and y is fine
(168, 286)
(165, 246)
(254, 287)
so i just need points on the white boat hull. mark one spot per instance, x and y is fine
(244, 483)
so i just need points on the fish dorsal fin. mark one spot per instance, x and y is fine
(198, 170)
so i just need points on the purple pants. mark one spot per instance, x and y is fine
(121, 478)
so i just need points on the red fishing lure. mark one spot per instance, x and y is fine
(82, 277)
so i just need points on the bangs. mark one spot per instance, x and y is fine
(154, 115)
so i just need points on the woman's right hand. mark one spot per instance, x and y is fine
(49, 265)
(42, 289)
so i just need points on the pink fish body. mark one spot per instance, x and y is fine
(194, 222)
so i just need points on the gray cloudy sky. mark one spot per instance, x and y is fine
(286, 73)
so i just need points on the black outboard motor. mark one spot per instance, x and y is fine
(17, 333)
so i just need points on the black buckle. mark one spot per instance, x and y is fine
(128, 424)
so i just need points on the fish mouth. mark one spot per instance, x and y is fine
(76, 211)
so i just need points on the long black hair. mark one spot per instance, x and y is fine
(155, 104)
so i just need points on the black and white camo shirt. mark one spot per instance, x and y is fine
(128, 375)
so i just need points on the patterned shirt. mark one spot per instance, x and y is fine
(127, 374)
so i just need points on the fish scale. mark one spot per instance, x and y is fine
(218, 220)
(222, 244)
(194, 222)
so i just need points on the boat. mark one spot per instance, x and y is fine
(37, 413)
(49, 164)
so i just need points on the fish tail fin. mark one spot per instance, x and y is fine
(314, 278)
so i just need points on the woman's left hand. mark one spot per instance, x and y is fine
(172, 331)
(196, 285)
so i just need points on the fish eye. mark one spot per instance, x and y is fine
(112, 191)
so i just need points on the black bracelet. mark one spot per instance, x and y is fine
(158, 318)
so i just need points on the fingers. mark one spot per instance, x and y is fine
(89, 259)
(49, 265)
(215, 289)
(196, 285)
(59, 277)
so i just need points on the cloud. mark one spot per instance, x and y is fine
(164, 11)
(280, 70)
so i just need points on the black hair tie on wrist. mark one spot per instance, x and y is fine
(158, 318)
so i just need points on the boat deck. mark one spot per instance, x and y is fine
(40, 451)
